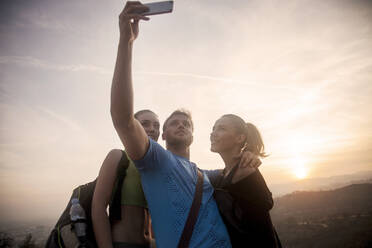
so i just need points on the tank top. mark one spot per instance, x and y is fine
(131, 190)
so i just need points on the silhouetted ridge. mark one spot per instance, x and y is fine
(355, 198)
(333, 218)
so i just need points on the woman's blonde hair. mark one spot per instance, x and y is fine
(253, 141)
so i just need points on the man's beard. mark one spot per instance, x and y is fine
(179, 142)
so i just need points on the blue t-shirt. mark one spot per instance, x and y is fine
(169, 184)
(213, 174)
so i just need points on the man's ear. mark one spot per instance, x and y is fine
(163, 136)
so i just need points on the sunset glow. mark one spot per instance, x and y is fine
(302, 76)
(299, 169)
(300, 172)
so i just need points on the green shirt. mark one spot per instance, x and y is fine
(131, 190)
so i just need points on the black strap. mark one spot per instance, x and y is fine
(115, 209)
(193, 214)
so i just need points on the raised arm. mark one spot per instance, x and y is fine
(130, 131)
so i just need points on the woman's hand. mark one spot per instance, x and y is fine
(248, 164)
(129, 18)
(248, 159)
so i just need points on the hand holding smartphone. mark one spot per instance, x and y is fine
(157, 8)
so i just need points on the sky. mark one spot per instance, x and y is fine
(300, 70)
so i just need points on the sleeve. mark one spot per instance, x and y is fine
(252, 193)
(154, 154)
(213, 176)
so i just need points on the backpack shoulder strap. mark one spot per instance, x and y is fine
(115, 209)
(193, 214)
(122, 166)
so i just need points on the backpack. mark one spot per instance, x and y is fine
(63, 235)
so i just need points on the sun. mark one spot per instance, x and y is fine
(299, 167)
(300, 172)
(299, 145)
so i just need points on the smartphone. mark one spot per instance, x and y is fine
(159, 8)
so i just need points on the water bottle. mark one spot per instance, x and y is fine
(78, 218)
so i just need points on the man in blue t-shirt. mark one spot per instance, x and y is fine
(169, 179)
(168, 176)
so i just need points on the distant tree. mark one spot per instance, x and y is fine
(6, 241)
(28, 242)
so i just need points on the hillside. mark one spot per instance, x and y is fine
(335, 218)
(321, 183)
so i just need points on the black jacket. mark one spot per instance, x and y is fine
(245, 207)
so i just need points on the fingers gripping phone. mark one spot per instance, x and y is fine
(159, 8)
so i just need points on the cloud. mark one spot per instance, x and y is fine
(184, 74)
(215, 79)
(62, 119)
(37, 19)
(39, 126)
(42, 64)
(38, 14)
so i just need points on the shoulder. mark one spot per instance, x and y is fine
(155, 146)
(112, 159)
(106, 177)
(115, 154)
(155, 151)
(213, 175)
